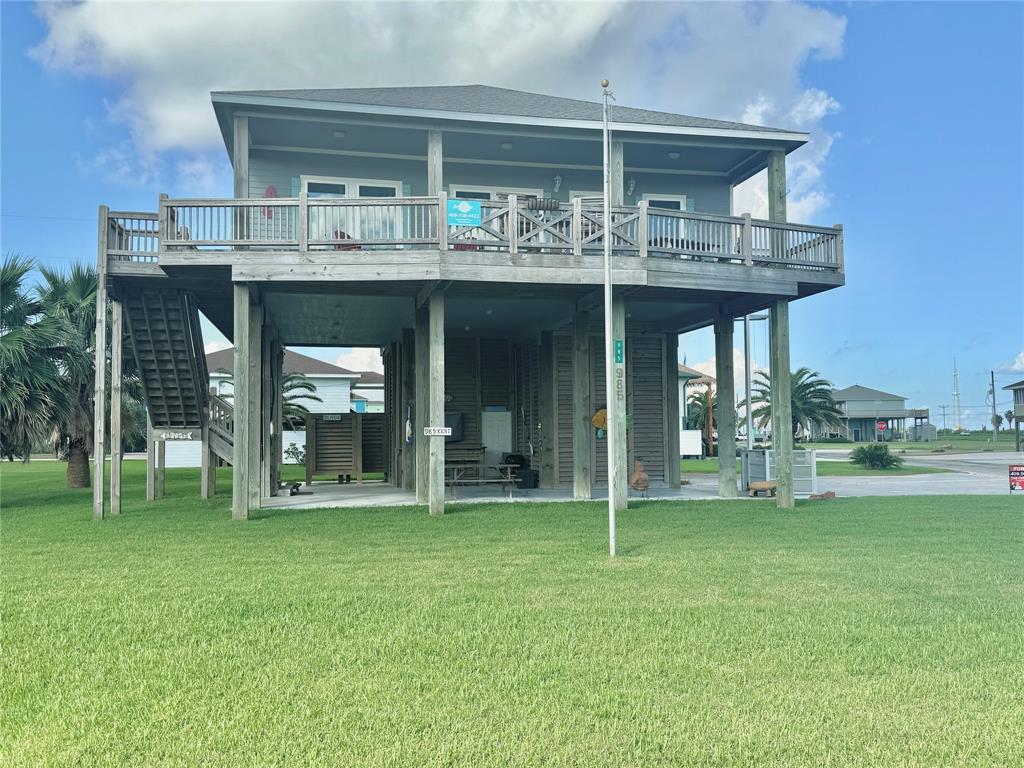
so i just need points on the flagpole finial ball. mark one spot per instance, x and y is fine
(604, 83)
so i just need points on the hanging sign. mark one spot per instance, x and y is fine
(464, 213)
(1016, 477)
(437, 431)
(168, 434)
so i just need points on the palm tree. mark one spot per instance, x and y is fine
(1008, 415)
(71, 298)
(812, 400)
(697, 410)
(296, 387)
(31, 344)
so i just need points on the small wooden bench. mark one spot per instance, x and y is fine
(761, 486)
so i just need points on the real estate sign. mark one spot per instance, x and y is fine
(464, 213)
(1016, 477)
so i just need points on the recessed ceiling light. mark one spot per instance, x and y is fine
(488, 311)
(673, 155)
(506, 145)
(338, 134)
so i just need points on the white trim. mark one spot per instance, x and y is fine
(574, 193)
(477, 160)
(454, 189)
(681, 199)
(349, 183)
(438, 114)
(222, 375)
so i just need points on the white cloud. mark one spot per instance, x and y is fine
(727, 60)
(1014, 366)
(361, 359)
(739, 369)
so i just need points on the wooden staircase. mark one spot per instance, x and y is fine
(168, 344)
(222, 428)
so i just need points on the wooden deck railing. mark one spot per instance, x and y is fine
(513, 226)
(222, 418)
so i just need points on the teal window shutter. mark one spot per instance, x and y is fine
(690, 225)
(295, 186)
(406, 189)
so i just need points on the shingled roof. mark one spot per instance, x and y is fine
(857, 392)
(694, 376)
(223, 361)
(489, 100)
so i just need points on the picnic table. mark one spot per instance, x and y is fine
(458, 472)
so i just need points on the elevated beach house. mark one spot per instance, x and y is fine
(459, 229)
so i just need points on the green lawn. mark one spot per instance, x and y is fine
(972, 443)
(855, 632)
(825, 468)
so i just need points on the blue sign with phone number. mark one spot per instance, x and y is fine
(464, 213)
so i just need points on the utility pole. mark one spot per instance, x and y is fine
(994, 427)
(956, 398)
(943, 407)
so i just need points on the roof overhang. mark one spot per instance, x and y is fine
(226, 104)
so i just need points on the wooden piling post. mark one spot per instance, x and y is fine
(100, 377)
(242, 404)
(116, 376)
(436, 447)
(725, 411)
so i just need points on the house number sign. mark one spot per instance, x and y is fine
(437, 431)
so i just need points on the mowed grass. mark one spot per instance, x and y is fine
(852, 632)
(976, 442)
(825, 468)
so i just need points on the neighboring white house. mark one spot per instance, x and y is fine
(335, 386)
(689, 439)
(370, 388)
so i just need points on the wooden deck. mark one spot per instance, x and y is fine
(283, 239)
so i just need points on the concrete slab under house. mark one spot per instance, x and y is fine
(457, 230)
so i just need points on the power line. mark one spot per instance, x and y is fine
(45, 218)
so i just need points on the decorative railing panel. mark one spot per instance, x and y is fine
(511, 226)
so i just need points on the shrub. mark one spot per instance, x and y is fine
(296, 454)
(875, 456)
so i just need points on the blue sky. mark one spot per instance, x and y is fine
(916, 109)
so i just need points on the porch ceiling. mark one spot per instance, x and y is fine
(728, 158)
(318, 315)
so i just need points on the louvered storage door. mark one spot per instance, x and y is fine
(494, 373)
(461, 386)
(563, 394)
(334, 451)
(646, 397)
(374, 451)
(599, 447)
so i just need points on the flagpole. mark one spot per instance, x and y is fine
(609, 351)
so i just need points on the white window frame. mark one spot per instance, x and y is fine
(681, 199)
(349, 183)
(454, 189)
